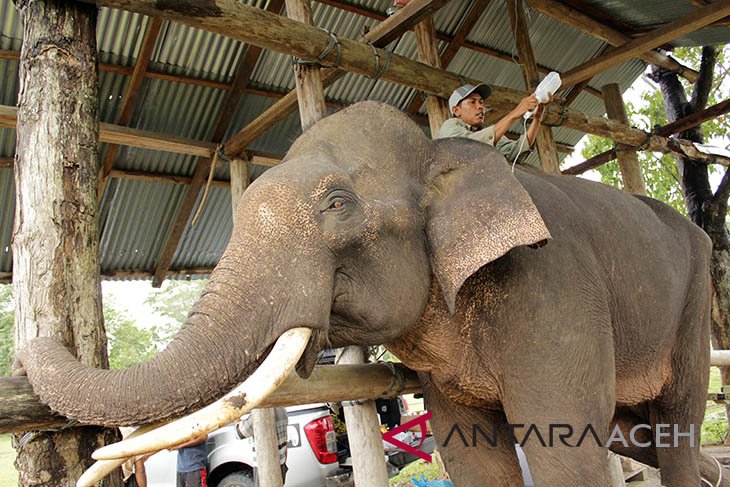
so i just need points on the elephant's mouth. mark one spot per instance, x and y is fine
(308, 360)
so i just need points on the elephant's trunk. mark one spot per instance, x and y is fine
(222, 342)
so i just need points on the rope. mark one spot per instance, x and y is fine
(719, 472)
(218, 154)
(396, 378)
(333, 42)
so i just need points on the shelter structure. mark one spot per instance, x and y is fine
(171, 91)
(198, 98)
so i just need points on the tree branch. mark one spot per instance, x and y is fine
(703, 85)
(723, 190)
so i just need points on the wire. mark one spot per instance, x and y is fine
(522, 142)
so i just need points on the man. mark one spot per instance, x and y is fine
(281, 421)
(467, 107)
(192, 463)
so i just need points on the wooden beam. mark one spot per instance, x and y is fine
(230, 104)
(545, 141)
(143, 139)
(130, 96)
(379, 36)
(21, 410)
(250, 24)
(374, 14)
(673, 30)
(427, 45)
(477, 9)
(127, 71)
(628, 160)
(584, 23)
(675, 127)
(591, 163)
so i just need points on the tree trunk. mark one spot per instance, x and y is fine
(55, 239)
(706, 209)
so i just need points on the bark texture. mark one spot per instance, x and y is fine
(55, 238)
(706, 209)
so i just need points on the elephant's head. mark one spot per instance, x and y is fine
(344, 237)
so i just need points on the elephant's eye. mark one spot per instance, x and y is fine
(336, 203)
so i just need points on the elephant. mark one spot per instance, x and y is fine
(519, 297)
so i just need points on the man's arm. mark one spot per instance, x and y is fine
(502, 126)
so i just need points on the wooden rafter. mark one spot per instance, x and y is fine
(564, 14)
(130, 97)
(391, 28)
(545, 141)
(675, 127)
(230, 104)
(666, 33)
(457, 42)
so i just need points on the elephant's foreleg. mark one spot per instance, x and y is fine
(484, 456)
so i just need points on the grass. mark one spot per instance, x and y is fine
(8, 474)
(714, 427)
(429, 470)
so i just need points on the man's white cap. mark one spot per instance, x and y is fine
(465, 90)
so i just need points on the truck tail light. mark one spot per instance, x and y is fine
(321, 436)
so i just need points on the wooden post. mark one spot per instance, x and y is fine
(240, 180)
(267, 450)
(628, 159)
(55, 237)
(368, 463)
(363, 432)
(310, 94)
(264, 424)
(438, 108)
(545, 141)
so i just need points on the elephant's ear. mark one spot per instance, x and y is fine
(476, 211)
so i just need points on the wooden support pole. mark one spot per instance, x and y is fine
(579, 20)
(20, 409)
(368, 464)
(363, 432)
(240, 180)
(545, 141)
(628, 159)
(56, 284)
(438, 109)
(666, 33)
(267, 448)
(310, 93)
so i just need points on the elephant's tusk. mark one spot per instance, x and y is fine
(265, 379)
(102, 468)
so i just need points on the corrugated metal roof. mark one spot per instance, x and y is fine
(652, 13)
(136, 216)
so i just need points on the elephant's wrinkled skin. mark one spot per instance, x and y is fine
(370, 233)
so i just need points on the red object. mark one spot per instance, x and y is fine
(321, 436)
(388, 436)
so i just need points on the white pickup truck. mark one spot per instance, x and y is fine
(311, 454)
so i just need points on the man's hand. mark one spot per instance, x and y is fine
(541, 109)
(525, 105)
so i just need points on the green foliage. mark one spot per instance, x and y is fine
(8, 474)
(6, 329)
(129, 344)
(660, 173)
(173, 302)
